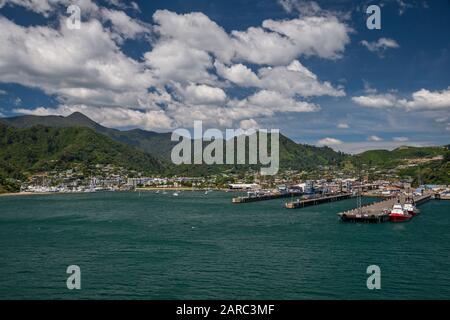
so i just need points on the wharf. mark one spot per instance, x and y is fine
(266, 196)
(442, 196)
(314, 201)
(378, 211)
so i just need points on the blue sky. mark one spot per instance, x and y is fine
(309, 68)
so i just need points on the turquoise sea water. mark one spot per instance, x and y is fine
(199, 246)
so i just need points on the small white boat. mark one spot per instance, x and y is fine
(175, 194)
(410, 207)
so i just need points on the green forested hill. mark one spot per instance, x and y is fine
(154, 143)
(42, 148)
(39, 143)
(429, 165)
(434, 172)
(292, 155)
(302, 156)
(389, 159)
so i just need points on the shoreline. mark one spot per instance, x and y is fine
(19, 194)
(180, 189)
(16, 194)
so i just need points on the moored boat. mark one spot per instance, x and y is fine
(410, 207)
(398, 214)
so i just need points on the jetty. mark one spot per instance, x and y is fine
(378, 211)
(442, 196)
(253, 197)
(300, 203)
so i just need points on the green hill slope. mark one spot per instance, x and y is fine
(40, 148)
(429, 165)
(301, 156)
(433, 172)
(389, 159)
(154, 143)
(292, 155)
(32, 144)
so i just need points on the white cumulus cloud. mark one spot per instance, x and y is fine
(329, 142)
(204, 94)
(296, 79)
(376, 100)
(426, 99)
(189, 73)
(238, 74)
(293, 79)
(79, 67)
(248, 124)
(273, 100)
(343, 125)
(196, 30)
(123, 24)
(374, 138)
(380, 45)
(400, 139)
(175, 61)
(420, 100)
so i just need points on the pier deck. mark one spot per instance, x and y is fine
(378, 211)
(442, 196)
(264, 197)
(310, 202)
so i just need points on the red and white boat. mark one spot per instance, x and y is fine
(398, 214)
(410, 207)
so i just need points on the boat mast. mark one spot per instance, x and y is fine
(358, 194)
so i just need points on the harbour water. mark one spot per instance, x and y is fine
(197, 246)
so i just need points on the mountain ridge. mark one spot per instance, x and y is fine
(79, 119)
(292, 154)
(27, 151)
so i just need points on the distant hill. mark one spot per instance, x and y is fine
(154, 143)
(147, 150)
(41, 148)
(76, 119)
(429, 165)
(292, 155)
(433, 172)
(398, 156)
(302, 156)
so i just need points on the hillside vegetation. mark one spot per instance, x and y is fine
(292, 155)
(33, 144)
(37, 149)
(390, 159)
